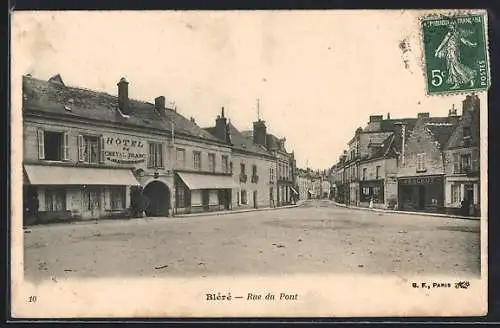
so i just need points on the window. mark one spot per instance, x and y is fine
(90, 149)
(465, 163)
(421, 162)
(53, 146)
(244, 197)
(197, 160)
(211, 162)
(225, 161)
(364, 173)
(155, 158)
(117, 198)
(55, 200)
(376, 194)
(271, 173)
(255, 177)
(180, 196)
(377, 172)
(231, 167)
(243, 176)
(456, 163)
(181, 157)
(456, 196)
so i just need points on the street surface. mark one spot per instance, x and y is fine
(316, 237)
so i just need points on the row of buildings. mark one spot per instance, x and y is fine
(422, 163)
(88, 155)
(313, 184)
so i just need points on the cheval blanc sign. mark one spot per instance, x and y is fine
(124, 150)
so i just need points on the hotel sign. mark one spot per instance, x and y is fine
(124, 150)
(420, 180)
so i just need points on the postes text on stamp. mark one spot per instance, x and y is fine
(455, 54)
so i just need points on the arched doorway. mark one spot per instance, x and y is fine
(158, 196)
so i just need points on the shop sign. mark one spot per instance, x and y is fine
(419, 180)
(124, 150)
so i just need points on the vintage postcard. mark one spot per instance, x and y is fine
(249, 163)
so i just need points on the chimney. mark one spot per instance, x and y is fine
(423, 115)
(123, 103)
(221, 128)
(400, 131)
(453, 111)
(192, 120)
(260, 132)
(376, 118)
(471, 103)
(388, 116)
(160, 104)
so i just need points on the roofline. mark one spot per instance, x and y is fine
(124, 126)
(243, 151)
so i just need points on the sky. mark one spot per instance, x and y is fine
(318, 75)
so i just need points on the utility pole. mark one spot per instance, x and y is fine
(258, 109)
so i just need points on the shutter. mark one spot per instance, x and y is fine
(81, 148)
(66, 146)
(162, 152)
(151, 155)
(41, 144)
(101, 149)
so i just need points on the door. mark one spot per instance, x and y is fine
(91, 203)
(421, 197)
(255, 199)
(205, 199)
(469, 197)
(271, 196)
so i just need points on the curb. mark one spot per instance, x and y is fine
(408, 212)
(147, 219)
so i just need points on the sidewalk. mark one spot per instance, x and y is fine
(407, 212)
(146, 218)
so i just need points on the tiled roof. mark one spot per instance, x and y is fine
(64, 101)
(388, 125)
(441, 133)
(240, 142)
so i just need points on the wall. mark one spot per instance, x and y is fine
(448, 159)
(262, 186)
(421, 141)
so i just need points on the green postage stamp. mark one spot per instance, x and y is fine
(455, 53)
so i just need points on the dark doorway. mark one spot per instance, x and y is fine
(158, 197)
(255, 199)
(205, 197)
(421, 197)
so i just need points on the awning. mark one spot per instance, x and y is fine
(205, 181)
(61, 175)
(295, 191)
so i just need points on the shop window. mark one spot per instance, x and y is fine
(117, 196)
(211, 162)
(456, 191)
(155, 158)
(53, 146)
(197, 160)
(225, 161)
(421, 162)
(376, 194)
(55, 200)
(181, 157)
(180, 196)
(244, 199)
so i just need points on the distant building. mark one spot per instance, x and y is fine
(462, 162)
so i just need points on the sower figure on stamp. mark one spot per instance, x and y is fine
(449, 49)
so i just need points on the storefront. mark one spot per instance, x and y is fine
(66, 192)
(198, 192)
(371, 190)
(421, 193)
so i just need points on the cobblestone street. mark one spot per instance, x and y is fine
(313, 238)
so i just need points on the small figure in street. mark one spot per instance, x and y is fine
(465, 206)
(371, 202)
